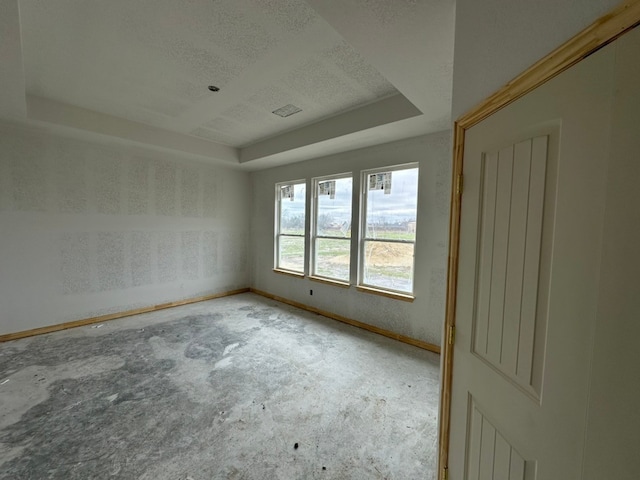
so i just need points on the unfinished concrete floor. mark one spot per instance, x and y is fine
(223, 389)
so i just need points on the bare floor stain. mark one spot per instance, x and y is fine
(33, 382)
(217, 390)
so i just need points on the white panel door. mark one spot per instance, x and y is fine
(531, 228)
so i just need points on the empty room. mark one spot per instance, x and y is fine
(319, 239)
(192, 284)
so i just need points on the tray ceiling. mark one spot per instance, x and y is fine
(150, 62)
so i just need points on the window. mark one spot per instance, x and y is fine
(388, 230)
(331, 241)
(290, 226)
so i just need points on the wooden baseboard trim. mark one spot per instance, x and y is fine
(162, 306)
(349, 321)
(114, 316)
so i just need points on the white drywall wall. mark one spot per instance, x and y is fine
(422, 319)
(12, 97)
(90, 227)
(614, 416)
(495, 40)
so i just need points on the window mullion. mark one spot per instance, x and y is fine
(332, 238)
(389, 240)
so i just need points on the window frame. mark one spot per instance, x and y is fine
(313, 228)
(363, 238)
(277, 227)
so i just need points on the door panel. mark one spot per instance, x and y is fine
(491, 455)
(510, 225)
(530, 238)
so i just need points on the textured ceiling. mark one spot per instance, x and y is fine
(150, 61)
(363, 72)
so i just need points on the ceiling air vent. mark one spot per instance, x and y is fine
(287, 110)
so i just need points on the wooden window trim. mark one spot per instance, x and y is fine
(329, 281)
(386, 293)
(291, 273)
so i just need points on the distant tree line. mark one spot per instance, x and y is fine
(293, 221)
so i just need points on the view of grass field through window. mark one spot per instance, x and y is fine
(332, 236)
(291, 222)
(390, 229)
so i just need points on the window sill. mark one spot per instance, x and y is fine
(405, 297)
(290, 273)
(329, 281)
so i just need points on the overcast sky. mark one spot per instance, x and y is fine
(401, 203)
(398, 206)
(295, 207)
(340, 206)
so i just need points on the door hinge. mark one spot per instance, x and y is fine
(459, 184)
(451, 334)
(445, 473)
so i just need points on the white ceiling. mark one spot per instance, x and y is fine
(362, 71)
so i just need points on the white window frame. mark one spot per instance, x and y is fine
(314, 224)
(363, 238)
(277, 233)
